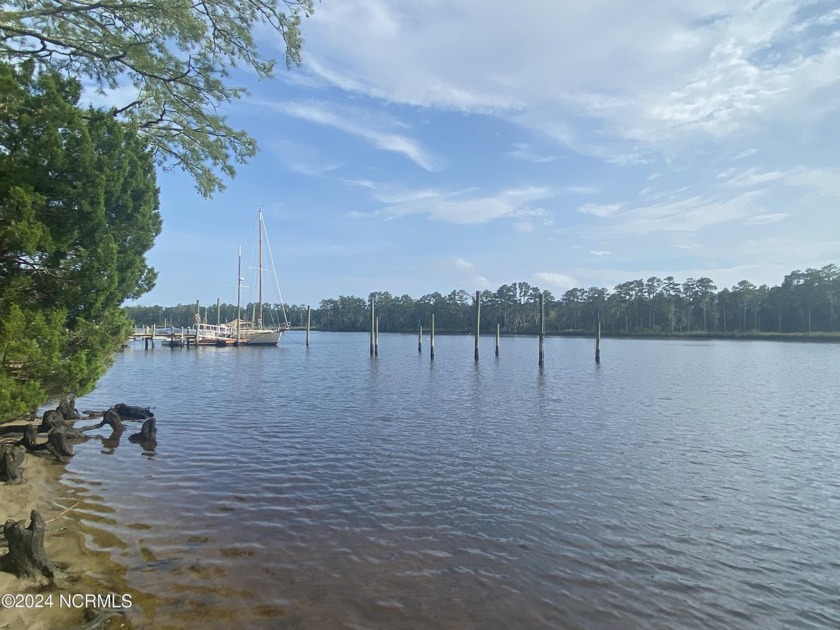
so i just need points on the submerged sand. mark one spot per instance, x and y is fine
(80, 570)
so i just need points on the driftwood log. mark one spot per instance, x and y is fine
(11, 457)
(148, 433)
(26, 557)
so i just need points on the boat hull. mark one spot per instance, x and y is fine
(261, 338)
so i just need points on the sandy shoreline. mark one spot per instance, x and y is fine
(43, 490)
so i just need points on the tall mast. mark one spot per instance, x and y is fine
(259, 312)
(238, 293)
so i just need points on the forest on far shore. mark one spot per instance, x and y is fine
(806, 301)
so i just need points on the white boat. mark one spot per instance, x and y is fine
(256, 332)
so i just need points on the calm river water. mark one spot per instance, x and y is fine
(677, 485)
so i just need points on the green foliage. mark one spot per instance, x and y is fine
(805, 302)
(176, 55)
(78, 212)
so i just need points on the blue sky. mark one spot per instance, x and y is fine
(428, 146)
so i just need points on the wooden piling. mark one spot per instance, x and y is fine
(598, 340)
(477, 321)
(432, 340)
(542, 330)
(420, 339)
(218, 311)
(498, 335)
(372, 324)
(308, 320)
(376, 339)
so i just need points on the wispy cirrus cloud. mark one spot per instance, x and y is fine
(303, 159)
(380, 130)
(527, 153)
(463, 264)
(764, 219)
(462, 207)
(599, 209)
(690, 214)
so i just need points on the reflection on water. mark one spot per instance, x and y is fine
(675, 485)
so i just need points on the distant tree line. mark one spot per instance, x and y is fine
(806, 301)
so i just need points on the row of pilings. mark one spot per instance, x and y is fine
(374, 332)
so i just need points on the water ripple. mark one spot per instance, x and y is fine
(677, 485)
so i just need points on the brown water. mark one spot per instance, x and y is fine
(678, 485)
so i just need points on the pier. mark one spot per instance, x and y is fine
(181, 338)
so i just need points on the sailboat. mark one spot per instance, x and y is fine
(256, 332)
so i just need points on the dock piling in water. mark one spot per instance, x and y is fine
(372, 323)
(598, 340)
(308, 319)
(376, 339)
(432, 340)
(542, 330)
(498, 331)
(420, 339)
(477, 321)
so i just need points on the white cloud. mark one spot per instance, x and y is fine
(606, 78)
(524, 227)
(377, 130)
(597, 252)
(689, 214)
(581, 190)
(302, 159)
(599, 209)
(463, 265)
(763, 219)
(526, 153)
(461, 207)
(555, 280)
(751, 178)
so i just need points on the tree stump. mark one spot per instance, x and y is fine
(111, 418)
(29, 441)
(11, 457)
(132, 412)
(67, 408)
(26, 557)
(58, 446)
(148, 433)
(51, 420)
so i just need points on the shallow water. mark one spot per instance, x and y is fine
(678, 484)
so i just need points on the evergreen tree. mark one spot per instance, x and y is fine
(78, 212)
